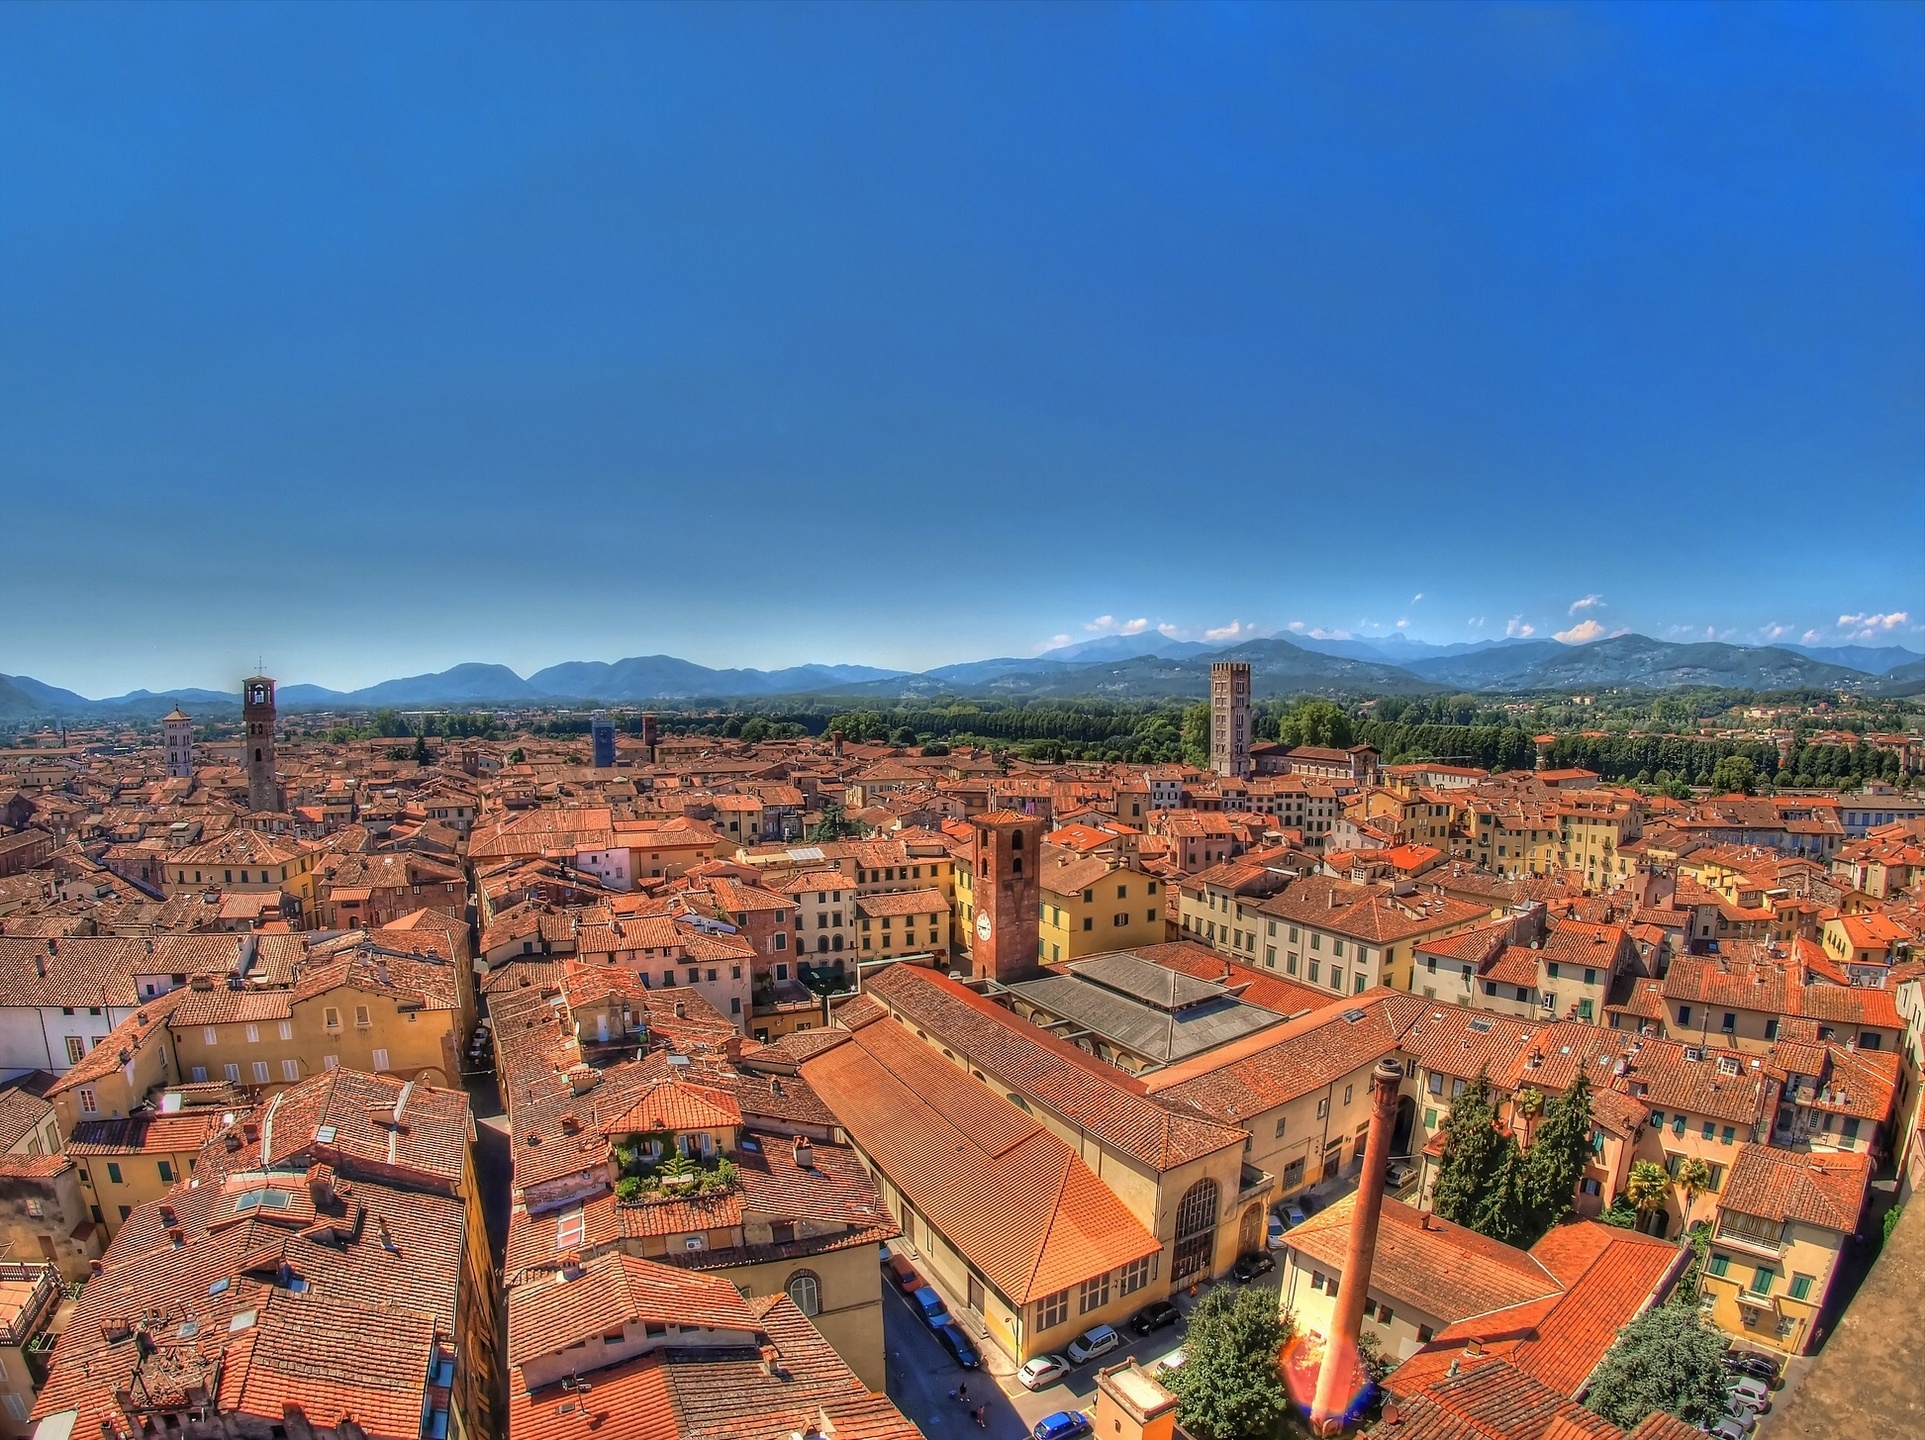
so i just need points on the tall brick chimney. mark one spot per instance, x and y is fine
(1335, 1380)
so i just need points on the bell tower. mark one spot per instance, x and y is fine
(1008, 895)
(257, 714)
(177, 739)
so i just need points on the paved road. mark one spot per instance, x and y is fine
(921, 1375)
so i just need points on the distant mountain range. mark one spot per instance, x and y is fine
(1118, 667)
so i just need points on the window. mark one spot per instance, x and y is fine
(806, 1290)
(1280, 1123)
(199, 1074)
(232, 1073)
(1719, 1264)
(1425, 1334)
(113, 1172)
(1348, 1091)
(253, 1034)
(290, 1070)
(76, 1050)
(1093, 1294)
(362, 1020)
(1323, 1108)
(260, 1072)
(1684, 1014)
(1052, 1310)
(330, 1017)
(1135, 1275)
(287, 1030)
(1850, 1128)
(1436, 1083)
(380, 1058)
(1801, 1287)
(166, 1170)
(1430, 1119)
(330, 1062)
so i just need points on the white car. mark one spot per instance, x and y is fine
(1098, 1340)
(1171, 1361)
(1043, 1370)
(1753, 1394)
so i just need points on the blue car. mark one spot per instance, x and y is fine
(934, 1312)
(957, 1344)
(1063, 1425)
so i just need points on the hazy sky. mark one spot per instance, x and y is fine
(371, 340)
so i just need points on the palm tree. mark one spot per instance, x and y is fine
(1647, 1187)
(1694, 1178)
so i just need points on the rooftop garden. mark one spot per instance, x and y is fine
(653, 1168)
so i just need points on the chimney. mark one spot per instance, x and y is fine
(168, 1216)
(804, 1154)
(320, 1185)
(1336, 1381)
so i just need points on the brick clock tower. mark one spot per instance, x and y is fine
(257, 713)
(1008, 895)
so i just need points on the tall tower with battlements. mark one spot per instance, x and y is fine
(257, 715)
(1230, 718)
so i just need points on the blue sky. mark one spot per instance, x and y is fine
(376, 339)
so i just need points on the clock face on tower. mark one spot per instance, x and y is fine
(982, 925)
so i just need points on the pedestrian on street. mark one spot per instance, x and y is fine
(982, 1412)
(962, 1392)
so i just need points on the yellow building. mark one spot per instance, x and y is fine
(902, 922)
(363, 1010)
(29, 1296)
(1095, 905)
(125, 1164)
(250, 861)
(1783, 1220)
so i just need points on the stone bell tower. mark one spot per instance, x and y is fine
(257, 712)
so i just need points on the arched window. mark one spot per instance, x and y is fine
(1195, 1230)
(257, 754)
(806, 1290)
(1016, 841)
(822, 944)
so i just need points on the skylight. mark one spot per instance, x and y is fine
(263, 1200)
(325, 1135)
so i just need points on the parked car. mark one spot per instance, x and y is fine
(1753, 1393)
(957, 1344)
(1099, 1340)
(1152, 1318)
(1399, 1173)
(1171, 1361)
(1742, 1419)
(1251, 1266)
(898, 1269)
(934, 1312)
(1294, 1213)
(1043, 1370)
(1750, 1362)
(1063, 1425)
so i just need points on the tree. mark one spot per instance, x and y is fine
(1647, 1186)
(1694, 1178)
(1230, 1385)
(1317, 722)
(422, 755)
(1734, 775)
(1555, 1162)
(517, 756)
(1475, 1160)
(1527, 1104)
(1666, 1359)
(1196, 735)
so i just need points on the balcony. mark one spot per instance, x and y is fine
(1766, 1241)
(1253, 1183)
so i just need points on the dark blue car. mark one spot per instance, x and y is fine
(934, 1312)
(957, 1344)
(1063, 1425)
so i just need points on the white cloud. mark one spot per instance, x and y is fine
(1101, 625)
(1518, 630)
(1477, 622)
(1135, 627)
(1322, 634)
(1775, 631)
(1169, 631)
(1227, 632)
(1589, 602)
(1871, 626)
(1401, 624)
(1418, 596)
(1810, 637)
(1056, 640)
(1297, 626)
(1582, 633)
